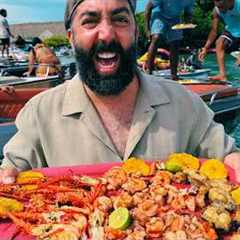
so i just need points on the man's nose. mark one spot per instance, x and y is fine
(106, 32)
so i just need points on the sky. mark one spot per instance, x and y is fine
(27, 11)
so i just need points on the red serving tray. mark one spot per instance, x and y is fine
(8, 231)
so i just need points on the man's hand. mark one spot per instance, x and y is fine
(8, 175)
(233, 161)
(202, 54)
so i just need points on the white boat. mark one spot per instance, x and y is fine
(201, 74)
(68, 72)
(25, 82)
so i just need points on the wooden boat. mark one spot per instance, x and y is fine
(223, 99)
(11, 104)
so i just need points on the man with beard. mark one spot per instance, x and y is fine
(228, 12)
(111, 111)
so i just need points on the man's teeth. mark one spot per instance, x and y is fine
(106, 55)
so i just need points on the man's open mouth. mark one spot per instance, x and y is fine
(107, 62)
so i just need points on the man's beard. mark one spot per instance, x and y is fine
(106, 85)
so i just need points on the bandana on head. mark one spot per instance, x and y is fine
(72, 6)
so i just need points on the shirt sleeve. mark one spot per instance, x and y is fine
(209, 137)
(24, 150)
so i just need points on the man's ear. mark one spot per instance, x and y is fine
(69, 35)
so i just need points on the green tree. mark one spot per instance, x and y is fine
(194, 38)
(56, 41)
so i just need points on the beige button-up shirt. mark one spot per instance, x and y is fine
(60, 127)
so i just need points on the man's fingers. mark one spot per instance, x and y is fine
(8, 175)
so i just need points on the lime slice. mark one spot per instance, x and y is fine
(173, 166)
(119, 219)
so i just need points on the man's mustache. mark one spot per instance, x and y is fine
(103, 47)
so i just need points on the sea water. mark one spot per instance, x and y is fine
(233, 75)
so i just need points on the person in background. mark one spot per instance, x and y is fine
(42, 60)
(160, 16)
(20, 42)
(5, 33)
(228, 12)
(111, 111)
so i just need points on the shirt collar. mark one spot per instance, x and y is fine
(152, 89)
(75, 99)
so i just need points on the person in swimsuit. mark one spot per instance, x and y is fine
(228, 12)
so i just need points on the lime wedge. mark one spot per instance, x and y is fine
(120, 219)
(173, 166)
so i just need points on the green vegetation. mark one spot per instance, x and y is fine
(56, 41)
(196, 38)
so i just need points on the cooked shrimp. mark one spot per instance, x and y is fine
(112, 234)
(190, 202)
(123, 200)
(103, 203)
(139, 197)
(178, 202)
(178, 235)
(162, 178)
(158, 193)
(145, 210)
(136, 235)
(116, 177)
(134, 185)
(156, 226)
(149, 207)
(177, 223)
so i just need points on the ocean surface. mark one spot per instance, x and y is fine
(233, 72)
(27, 11)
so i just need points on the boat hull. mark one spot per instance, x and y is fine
(201, 74)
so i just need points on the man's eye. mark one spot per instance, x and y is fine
(121, 20)
(89, 22)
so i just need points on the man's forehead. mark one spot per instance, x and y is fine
(73, 5)
(103, 5)
(89, 8)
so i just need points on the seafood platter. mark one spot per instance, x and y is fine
(181, 198)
